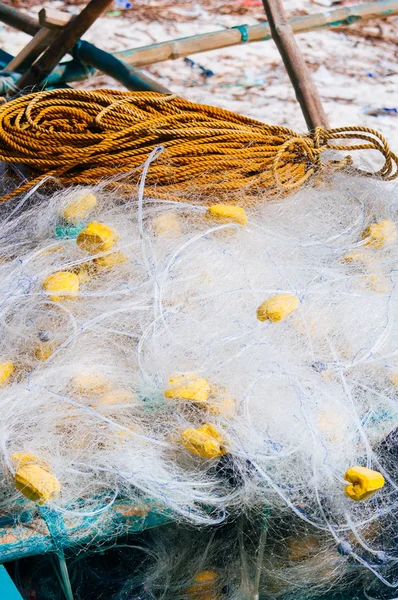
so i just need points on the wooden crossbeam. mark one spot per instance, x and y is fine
(32, 50)
(14, 18)
(54, 19)
(62, 43)
(51, 21)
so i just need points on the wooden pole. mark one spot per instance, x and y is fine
(51, 21)
(14, 18)
(300, 76)
(173, 49)
(62, 44)
(32, 50)
(331, 19)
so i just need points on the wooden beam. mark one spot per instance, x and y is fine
(62, 44)
(14, 18)
(54, 19)
(51, 21)
(32, 50)
(300, 76)
(330, 19)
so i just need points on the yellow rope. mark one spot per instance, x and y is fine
(83, 137)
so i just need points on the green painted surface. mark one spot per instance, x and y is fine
(67, 231)
(28, 532)
(8, 591)
(348, 21)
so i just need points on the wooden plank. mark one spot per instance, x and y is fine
(64, 41)
(54, 19)
(300, 76)
(32, 50)
(50, 21)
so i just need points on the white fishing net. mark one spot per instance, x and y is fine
(109, 382)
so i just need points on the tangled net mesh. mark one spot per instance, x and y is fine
(138, 360)
(162, 337)
(82, 137)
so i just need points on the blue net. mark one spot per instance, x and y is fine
(27, 530)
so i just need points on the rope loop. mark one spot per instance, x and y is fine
(82, 137)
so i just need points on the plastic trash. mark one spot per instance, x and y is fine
(375, 111)
(122, 5)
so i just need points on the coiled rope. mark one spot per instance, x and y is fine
(83, 137)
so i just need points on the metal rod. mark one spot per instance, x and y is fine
(300, 76)
(67, 37)
(130, 77)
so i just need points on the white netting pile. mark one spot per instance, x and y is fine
(107, 385)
